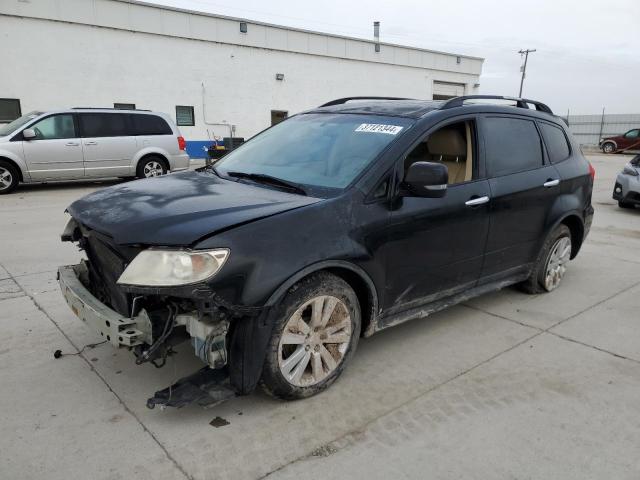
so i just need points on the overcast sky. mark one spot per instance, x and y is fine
(588, 51)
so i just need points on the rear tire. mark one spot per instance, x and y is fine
(316, 331)
(9, 177)
(623, 204)
(152, 166)
(551, 263)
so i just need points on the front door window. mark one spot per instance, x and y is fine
(55, 127)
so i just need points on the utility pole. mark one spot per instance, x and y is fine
(524, 67)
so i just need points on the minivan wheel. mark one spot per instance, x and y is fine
(608, 147)
(315, 334)
(9, 178)
(151, 166)
(551, 264)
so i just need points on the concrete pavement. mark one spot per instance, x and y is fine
(506, 386)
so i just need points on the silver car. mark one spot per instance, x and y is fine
(88, 143)
(627, 187)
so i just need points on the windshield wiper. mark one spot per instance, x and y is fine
(269, 180)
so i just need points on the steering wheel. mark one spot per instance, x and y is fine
(38, 133)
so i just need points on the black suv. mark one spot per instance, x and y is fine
(336, 223)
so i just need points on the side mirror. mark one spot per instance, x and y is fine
(427, 179)
(29, 134)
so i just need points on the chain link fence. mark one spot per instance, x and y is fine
(589, 129)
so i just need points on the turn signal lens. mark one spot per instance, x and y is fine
(592, 172)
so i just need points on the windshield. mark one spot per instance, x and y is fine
(316, 150)
(17, 123)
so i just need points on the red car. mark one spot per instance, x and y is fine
(628, 141)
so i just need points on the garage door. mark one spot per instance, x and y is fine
(446, 90)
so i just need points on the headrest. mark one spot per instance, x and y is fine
(447, 142)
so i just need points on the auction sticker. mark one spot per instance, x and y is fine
(379, 128)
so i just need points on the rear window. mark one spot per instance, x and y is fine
(149, 125)
(512, 145)
(103, 125)
(557, 146)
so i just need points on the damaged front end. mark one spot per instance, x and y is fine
(151, 320)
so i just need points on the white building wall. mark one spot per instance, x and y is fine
(96, 52)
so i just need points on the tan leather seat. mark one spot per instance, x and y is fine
(449, 147)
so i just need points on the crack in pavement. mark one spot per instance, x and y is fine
(540, 331)
(364, 426)
(93, 369)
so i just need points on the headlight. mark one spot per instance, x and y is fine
(169, 268)
(629, 170)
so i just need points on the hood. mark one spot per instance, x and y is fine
(178, 209)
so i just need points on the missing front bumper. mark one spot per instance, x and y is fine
(118, 330)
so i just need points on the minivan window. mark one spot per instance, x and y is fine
(512, 145)
(17, 123)
(144, 124)
(103, 125)
(557, 146)
(317, 150)
(55, 127)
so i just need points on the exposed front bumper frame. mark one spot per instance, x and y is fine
(118, 330)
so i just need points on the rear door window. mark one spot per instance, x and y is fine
(144, 124)
(512, 145)
(556, 142)
(103, 125)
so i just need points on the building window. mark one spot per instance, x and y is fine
(124, 106)
(9, 109)
(278, 116)
(243, 27)
(184, 116)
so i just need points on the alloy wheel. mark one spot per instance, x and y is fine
(314, 341)
(557, 263)
(153, 169)
(6, 179)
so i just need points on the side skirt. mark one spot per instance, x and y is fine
(426, 309)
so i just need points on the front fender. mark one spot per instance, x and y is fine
(324, 265)
(18, 161)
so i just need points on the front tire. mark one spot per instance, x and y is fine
(9, 177)
(551, 263)
(608, 147)
(623, 204)
(151, 166)
(315, 334)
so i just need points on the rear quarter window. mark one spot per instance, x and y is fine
(512, 145)
(144, 124)
(556, 142)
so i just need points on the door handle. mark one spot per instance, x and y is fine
(90, 143)
(551, 183)
(474, 202)
(72, 144)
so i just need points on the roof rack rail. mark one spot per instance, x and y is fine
(520, 102)
(108, 108)
(340, 101)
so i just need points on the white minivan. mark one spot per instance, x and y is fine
(89, 143)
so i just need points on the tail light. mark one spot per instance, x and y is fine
(182, 145)
(592, 172)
